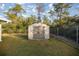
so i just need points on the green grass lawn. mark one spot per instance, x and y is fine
(19, 45)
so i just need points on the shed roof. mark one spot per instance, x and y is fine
(36, 24)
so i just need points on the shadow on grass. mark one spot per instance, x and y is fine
(25, 37)
(2, 53)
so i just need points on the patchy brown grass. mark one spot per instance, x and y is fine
(19, 45)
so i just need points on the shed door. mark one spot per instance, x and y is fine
(38, 32)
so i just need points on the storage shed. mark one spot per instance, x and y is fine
(38, 31)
